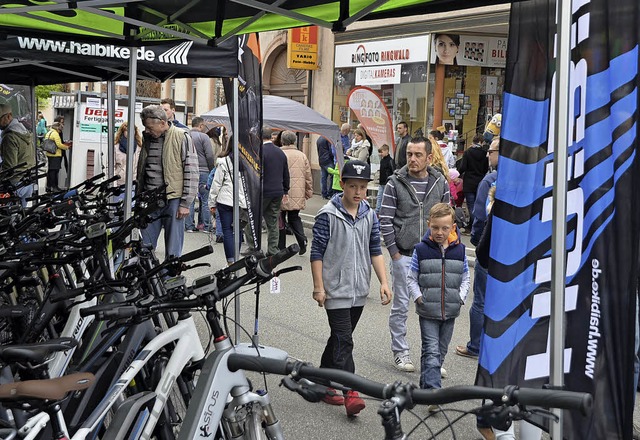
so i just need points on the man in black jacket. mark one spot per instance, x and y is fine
(473, 167)
(326, 160)
(275, 188)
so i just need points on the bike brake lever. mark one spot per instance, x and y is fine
(287, 270)
(310, 391)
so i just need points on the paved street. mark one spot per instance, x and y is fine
(292, 321)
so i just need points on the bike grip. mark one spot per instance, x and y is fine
(33, 246)
(266, 265)
(63, 207)
(198, 253)
(94, 310)
(582, 402)
(261, 364)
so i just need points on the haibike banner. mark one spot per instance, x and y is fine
(603, 219)
(185, 57)
(250, 126)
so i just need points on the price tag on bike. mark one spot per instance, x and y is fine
(274, 285)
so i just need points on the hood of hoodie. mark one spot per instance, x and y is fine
(341, 211)
(16, 127)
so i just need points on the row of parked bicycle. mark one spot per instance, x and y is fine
(98, 339)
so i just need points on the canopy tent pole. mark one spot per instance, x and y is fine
(236, 200)
(131, 135)
(559, 222)
(111, 96)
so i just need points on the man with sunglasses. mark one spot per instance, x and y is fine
(16, 147)
(167, 157)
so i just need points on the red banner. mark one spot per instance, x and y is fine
(373, 115)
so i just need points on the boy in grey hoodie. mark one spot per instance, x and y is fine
(346, 243)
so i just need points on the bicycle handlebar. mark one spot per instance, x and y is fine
(509, 396)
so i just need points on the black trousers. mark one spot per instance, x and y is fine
(339, 350)
(293, 218)
(53, 171)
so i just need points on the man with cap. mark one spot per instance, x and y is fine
(346, 243)
(408, 196)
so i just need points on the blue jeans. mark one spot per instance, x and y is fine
(470, 198)
(436, 336)
(476, 312)
(379, 198)
(226, 219)
(204, 216)
(173, 229)
(218, 224)
(324, 186)
(24, 193)
(399, 305)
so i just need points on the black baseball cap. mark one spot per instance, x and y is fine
(356, 169)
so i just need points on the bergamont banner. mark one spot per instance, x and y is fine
(603, 216)
(249, 130)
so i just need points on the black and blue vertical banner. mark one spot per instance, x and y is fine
(603, 216)
(249, 131)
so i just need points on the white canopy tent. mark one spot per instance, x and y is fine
(284, 114)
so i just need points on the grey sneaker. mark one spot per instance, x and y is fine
(403, 363)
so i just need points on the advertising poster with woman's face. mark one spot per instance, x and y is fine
(446, 48)
(468, 50)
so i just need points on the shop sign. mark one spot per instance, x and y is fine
(302, 48)
(378, 75)
(377, 53)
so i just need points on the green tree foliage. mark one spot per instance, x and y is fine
(43, 93)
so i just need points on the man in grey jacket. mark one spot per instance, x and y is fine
(408, 196)
(206, 162)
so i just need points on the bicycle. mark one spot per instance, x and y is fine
(506, 405)
(223, 402)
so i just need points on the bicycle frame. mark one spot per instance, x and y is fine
(209, 402)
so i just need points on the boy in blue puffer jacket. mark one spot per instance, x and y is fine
(438, 283)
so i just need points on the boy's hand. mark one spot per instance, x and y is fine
(213, 210)
(319, 296)
(385, 294)
(418, 300)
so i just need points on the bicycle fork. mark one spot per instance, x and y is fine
(240, 416)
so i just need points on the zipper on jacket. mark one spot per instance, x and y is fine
(442, 289)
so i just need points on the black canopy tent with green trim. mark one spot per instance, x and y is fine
(137, 22)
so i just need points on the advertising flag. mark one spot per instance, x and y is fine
(249, 131)
(603, 216)
(373, 115)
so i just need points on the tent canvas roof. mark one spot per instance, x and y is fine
(285, 114)
(138, 22)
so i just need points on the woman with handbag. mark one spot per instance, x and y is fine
(54, 158)
(221, 200)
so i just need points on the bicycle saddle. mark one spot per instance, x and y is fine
(35, 353)
(46, 389)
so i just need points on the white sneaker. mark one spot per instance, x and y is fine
(403, 363)
(432, 408)
(443, 373)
